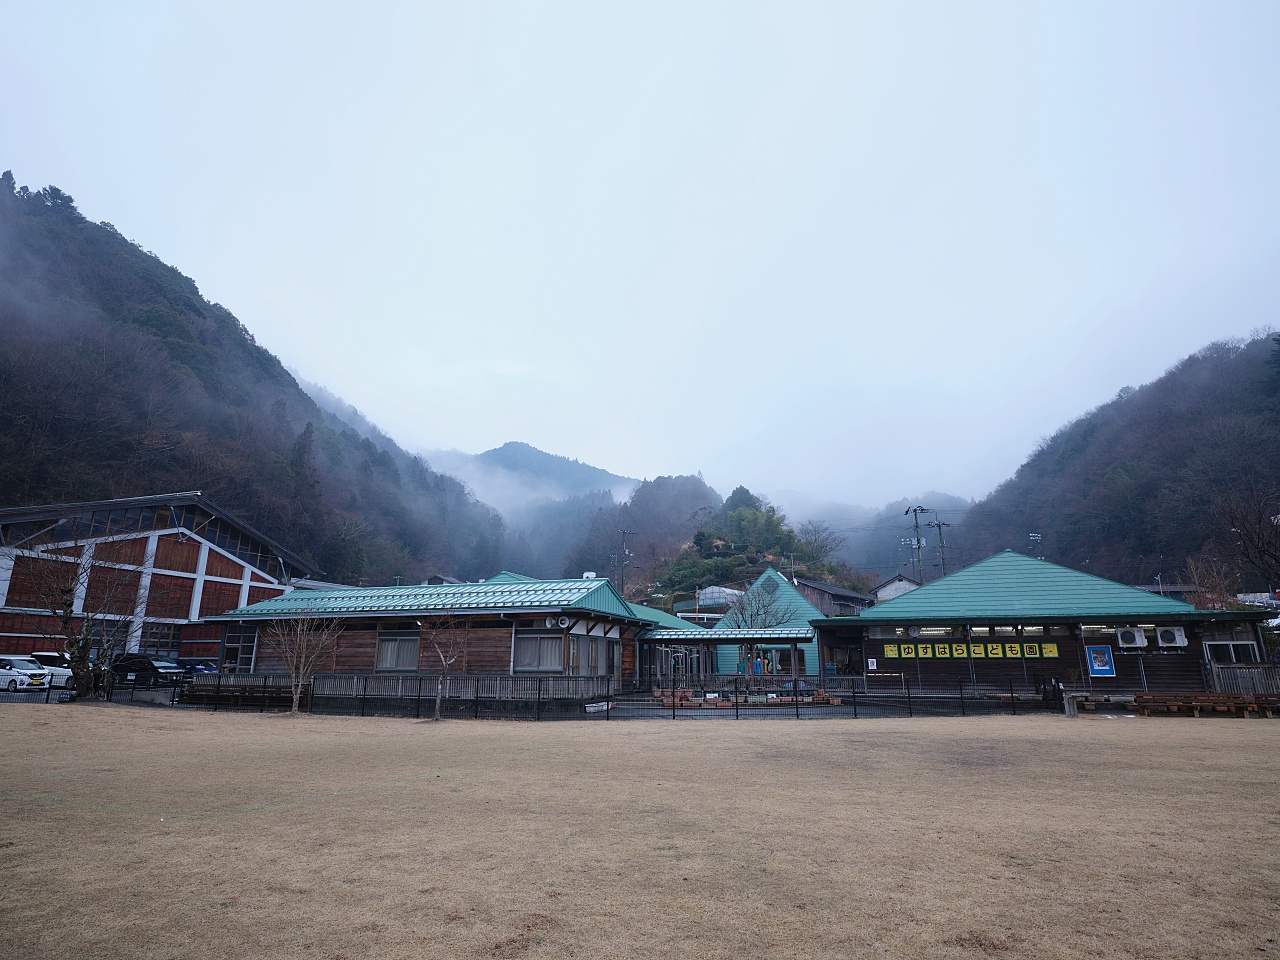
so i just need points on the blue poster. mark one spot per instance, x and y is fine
(1101, 663)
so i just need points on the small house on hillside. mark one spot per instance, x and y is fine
(895, 586)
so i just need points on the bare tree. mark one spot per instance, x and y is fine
(302, 643)
(1216, 584)
(89, 598)
(1253, 516)
(818, 541)
(446, 637)
(757, 609)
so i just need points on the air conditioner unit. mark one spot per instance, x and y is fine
(1131, 637)
(551, 623)
(562, 622)
(1171, 636)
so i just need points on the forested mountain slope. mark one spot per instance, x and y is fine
(117, 378)
(1134, 488)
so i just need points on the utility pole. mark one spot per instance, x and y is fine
(622, 561)
(916, 541)
(942, 547)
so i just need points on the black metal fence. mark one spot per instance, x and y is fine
(742, 698)
(583, 698)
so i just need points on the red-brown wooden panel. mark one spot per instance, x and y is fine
(36, 581)
(264, 593)
(132, 551)
(111, 591)
(219, 598)
(171, 554)
(169, 598)
(219, 566)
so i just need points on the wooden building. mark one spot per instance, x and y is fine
(142, 571)
(1013, 619)
(508, 625)
(833, 601)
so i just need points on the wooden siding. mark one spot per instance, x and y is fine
(173, 554)
(132, 551)
(264, 593)
(112, 591)
(28, 574)
(216, 565)
(170, 597)
(218, 598)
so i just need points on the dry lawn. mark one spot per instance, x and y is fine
(134, 832)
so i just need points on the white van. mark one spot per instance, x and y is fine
(22, 673)
(58, 667)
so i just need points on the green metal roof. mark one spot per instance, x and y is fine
(661, 619)
(506, 576)
(775, 601)
(731, 635)
(514, 595)
(1010, 587)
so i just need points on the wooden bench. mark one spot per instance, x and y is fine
(247, 694)
(1267, 704)
(1234, 703)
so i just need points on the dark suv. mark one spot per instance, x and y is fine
(146, 669)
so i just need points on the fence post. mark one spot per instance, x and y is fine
(735, 697)
(217, 693)
(673, 694)
(364, 694)
(48, 690)
(906, 682)
(962, 698)
(608, 698)
(477, 714)
(417, 703)
(311, 695)
(853, 693)
(1013, 702)
(262, 708)
(795, 693)
(537, 710)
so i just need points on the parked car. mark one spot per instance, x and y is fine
(22, 673)
(195, 665)
(146, 669)
(58, 666)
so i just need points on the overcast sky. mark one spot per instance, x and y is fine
(859, 250)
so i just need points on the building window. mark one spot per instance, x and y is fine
(1236, 652)
(538, 652)
(160, 639)
(238, 647)
(398, 650)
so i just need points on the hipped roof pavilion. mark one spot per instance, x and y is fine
(1011, 588)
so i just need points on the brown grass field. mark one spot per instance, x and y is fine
(148, 832)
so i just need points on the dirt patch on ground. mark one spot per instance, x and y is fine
(135, 832)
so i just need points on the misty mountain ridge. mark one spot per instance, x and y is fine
(516, 477)
(120, 379)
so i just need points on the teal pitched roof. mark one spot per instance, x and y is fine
(661, 619)
(506, 576)
(498, 595)
(1012, 587)
(769, 603)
